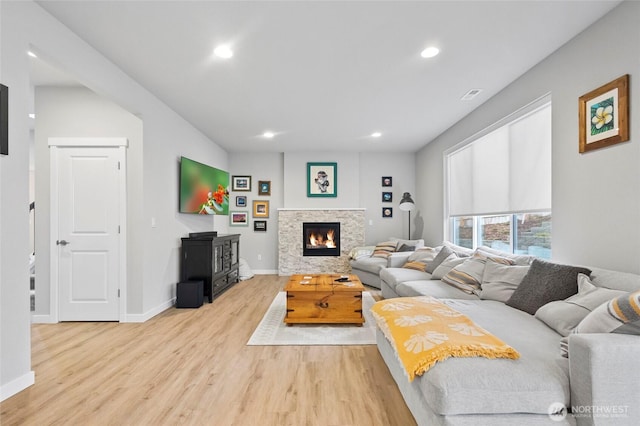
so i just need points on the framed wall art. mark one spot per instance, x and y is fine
(604, 115)
(387, 181)
(239, 218)
(4, 120)
(241, 201)
(260, 225)
(264, 187)
(322, 179)
(387, 197)
(387, 212)
(241, 183)
(260, 208)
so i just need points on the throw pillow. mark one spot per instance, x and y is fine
(459, 250)
(468, 275)
(620, 315)
(384, 249)
(416, 264)
(500, 281)
(416, 243)
(405, 247)
(564, 315)
(443, 269)
(426, 254)
(544, 283)
(444, 253)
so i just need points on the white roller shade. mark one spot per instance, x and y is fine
(505, 171)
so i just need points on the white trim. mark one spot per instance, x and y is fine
(137, 318)
(320, 209)
(17, 385)
(53, 234)
(42, 319)
(72, 141)
(265, 271)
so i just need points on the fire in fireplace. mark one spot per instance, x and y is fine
(321, 238)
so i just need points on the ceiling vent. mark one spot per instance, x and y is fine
(471, 94)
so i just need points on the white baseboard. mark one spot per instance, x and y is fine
(151, 313)
(13, 387)
(42, 319)
(265, 271)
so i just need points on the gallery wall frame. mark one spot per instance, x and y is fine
(261, 208)
(387, 181)
(387, 212)
(241, 201)
(264, 187)
(322, 179)
(241, 183)
(387, 197)
(260, 225)
(239, 218)
(603, 115)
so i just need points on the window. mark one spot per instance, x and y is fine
(498, 185)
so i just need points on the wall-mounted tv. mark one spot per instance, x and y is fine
(203, 189)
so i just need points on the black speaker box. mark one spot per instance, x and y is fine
(189, 294)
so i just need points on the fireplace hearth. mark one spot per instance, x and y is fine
(321, 239)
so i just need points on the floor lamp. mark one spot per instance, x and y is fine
(407, 205)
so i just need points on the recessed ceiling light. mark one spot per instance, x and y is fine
(430, 52)
(376, 134)
(471, 94)
(30, 53)
(223, 51)
(268, 135)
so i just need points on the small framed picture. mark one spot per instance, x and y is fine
(241, 183)
(387, 212)
(241, 201)
(264, 187)
(387, 197)
(239, 218)
(387, 181)
(604, 115)
(260, 225)
(260, 208)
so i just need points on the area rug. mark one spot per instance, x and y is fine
(273, 331)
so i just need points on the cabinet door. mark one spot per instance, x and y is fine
(235, 252)
(218, 256)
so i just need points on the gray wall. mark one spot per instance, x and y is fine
(359, 186)
(596, 201)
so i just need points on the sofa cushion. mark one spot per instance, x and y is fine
(544, 283)
(442, 255)
(435, 288)
(427, 254)
(384, 249)
(443, 269)
(394, 276)
(500, 281)
(615, 280)
(518, 259)
(564, 315)
(459, 250)
(468, 275)
(620, 315)
(489, 386)
(369, 264)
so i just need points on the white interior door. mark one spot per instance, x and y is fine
(87, 243)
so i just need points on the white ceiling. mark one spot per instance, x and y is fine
(325, 75)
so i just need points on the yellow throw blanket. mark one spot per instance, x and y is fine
(423, 331)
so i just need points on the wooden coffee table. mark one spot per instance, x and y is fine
(319, 298)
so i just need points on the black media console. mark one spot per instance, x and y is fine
(212, 259)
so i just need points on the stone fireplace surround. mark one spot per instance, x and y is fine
(290, 258)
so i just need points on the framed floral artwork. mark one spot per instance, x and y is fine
(604, 115)
(260, 208)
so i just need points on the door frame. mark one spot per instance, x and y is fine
(121, 144)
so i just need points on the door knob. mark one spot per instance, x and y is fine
(62, 242)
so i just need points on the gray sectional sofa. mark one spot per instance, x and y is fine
(367, 267)
(597, 384)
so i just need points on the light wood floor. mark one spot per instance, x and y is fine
(192, 366)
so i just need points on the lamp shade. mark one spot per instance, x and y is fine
(407, 203)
